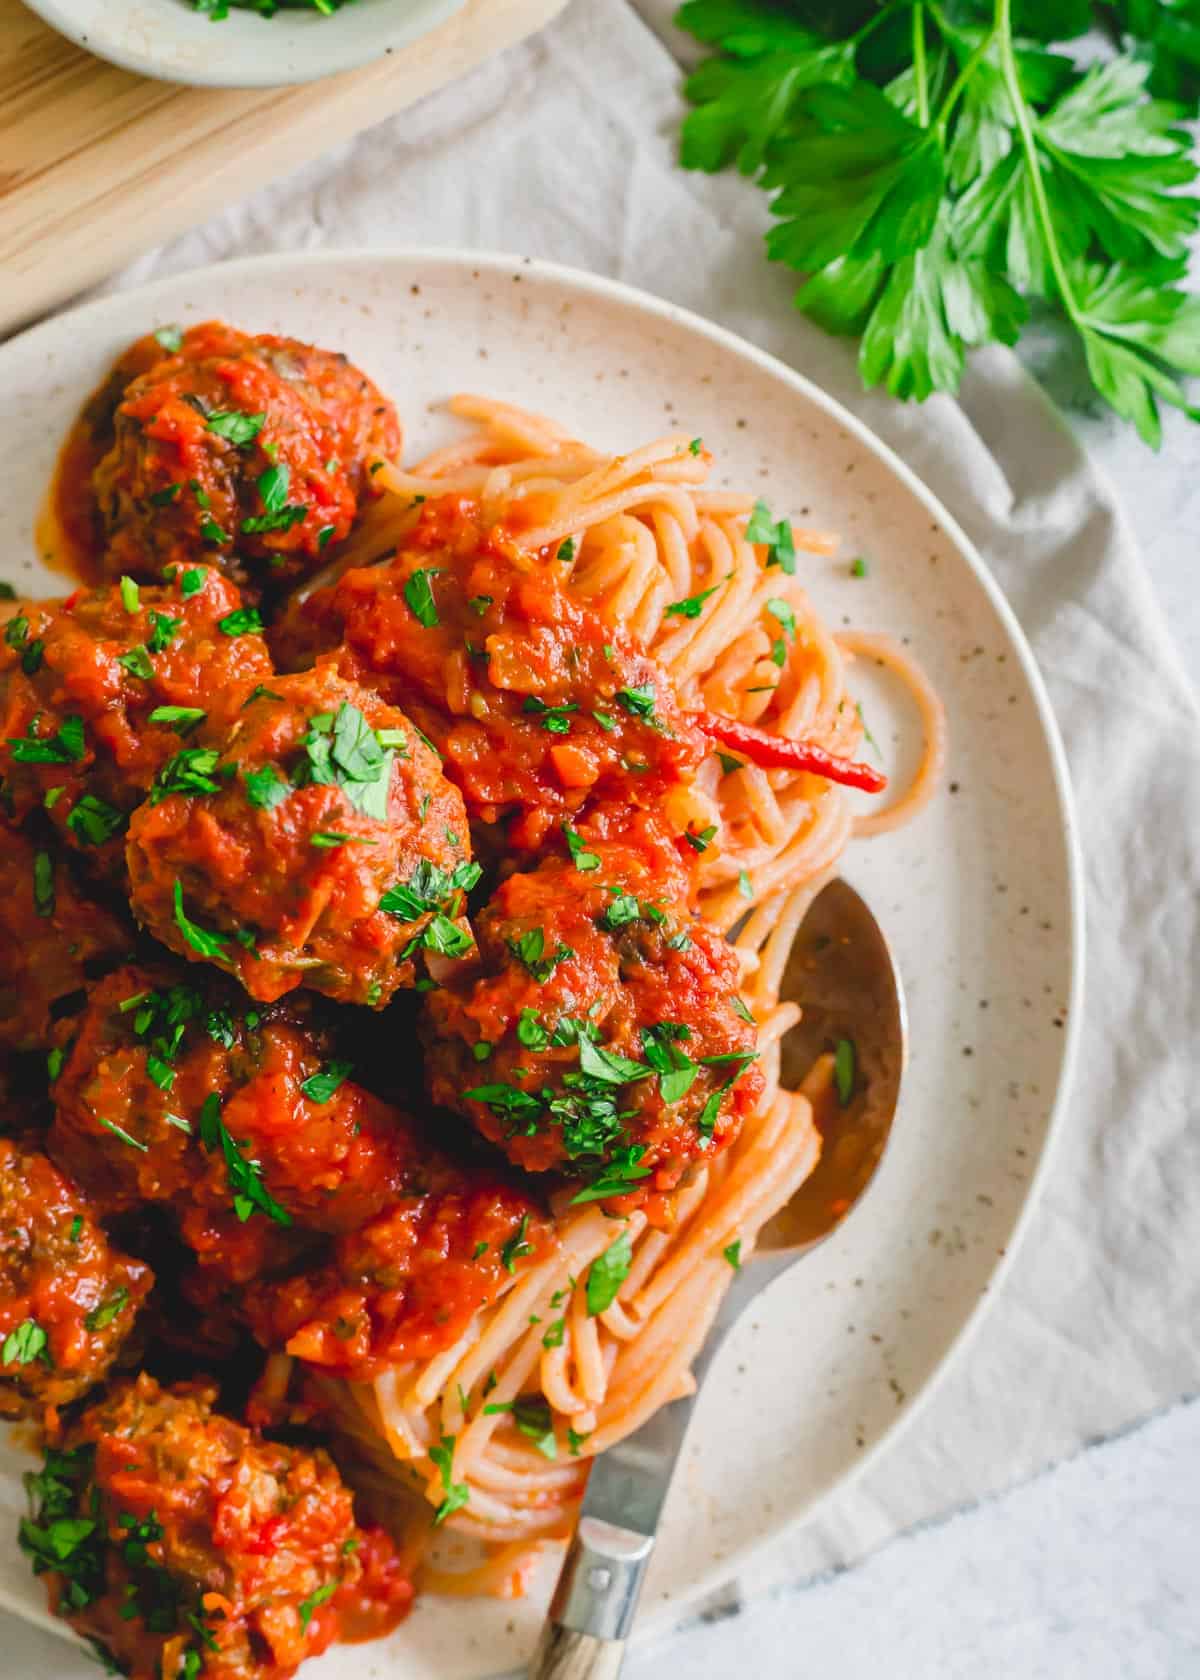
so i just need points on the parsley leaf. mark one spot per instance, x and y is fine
(234, 426)
(935, 167)
(244, 621)
(308, 1605)
(418, 593)
(457, 1494)
(607, 1273)
(24, 1344)
(93, 822)
(266, 788)
(582, 859)
(320, 1087)
(65, 746)
(200, 939)
(245, 1175)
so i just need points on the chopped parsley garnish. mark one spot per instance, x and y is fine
(676, 1070)
(324, 534)
(250, 1194)
(137, 663)
(418, 593)
(859, 568)
(72, 1547)
(529, 950)
(429, 888)
(213, 533)
(696, 445)
(639, 701)
(182, 719)
(189, 772)
(739, 1008)
(308, 1605)
(617, 1178)
(170, 338)
(266, 788)
(131, 598)
(245, 621)
(343, 750)
(782, 611)
(566, 549)
(762, 527)
(734, 1254)
(516, 1248)
(165, 496)
(691, 605)
(43, 884)
(703, 840)
(744, 884)
(530, 1031)
(102, 1316)
(234, 426)
(575, 1440)
(554, 1336)
(24, 1344)
(94, 822)
(844, 1068)
(556, 720)
(608, 1066)
(208, 944)
(533, 1418)
(479, 604)
(606, 1275)
(456, 1494)
(320, 1087)
(125, 1137)
(76, 1229)
(192, 581)
(162, 629)
(582, 859)
(65, 746)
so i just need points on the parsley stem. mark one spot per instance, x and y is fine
(1037, 186)
(961, 81)
(920, 69)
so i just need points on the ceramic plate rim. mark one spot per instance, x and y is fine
(238, 68)
(299, 264)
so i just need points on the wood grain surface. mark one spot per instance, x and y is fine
(97, 164)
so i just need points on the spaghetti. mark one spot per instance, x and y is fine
(640, 540)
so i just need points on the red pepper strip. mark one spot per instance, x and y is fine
(779, 752)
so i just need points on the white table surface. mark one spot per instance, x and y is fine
(1092, 1570)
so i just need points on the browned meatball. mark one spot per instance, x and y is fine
(537, 705)
(252, 451)
(601, 1033)
(328, 851)
(99, 691)
(52, 939)
(241, 1117)
(68, 1299)
(187, 1545)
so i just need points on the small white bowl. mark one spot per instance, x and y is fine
(171, 40)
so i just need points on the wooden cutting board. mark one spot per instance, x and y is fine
(97, 164)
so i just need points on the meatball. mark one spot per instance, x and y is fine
(186, 1544)
(182, 1094)
(535, 703)
(251, 451)
(52, 940)
(101, 691)
(601, 1032)
(327, 849)
(68, 1299)
(408, 1284)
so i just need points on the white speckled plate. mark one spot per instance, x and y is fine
(171, 40)
(980, 896)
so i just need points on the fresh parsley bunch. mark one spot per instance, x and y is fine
(935, 164)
